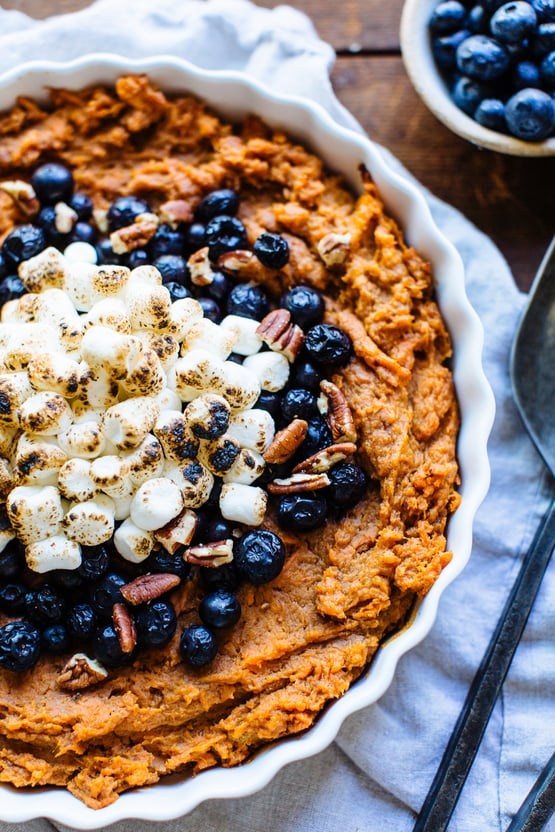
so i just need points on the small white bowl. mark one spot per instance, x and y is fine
(235, 95)
(430, 86)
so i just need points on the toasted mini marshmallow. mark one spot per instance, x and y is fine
(207, 416)
(83, 412)
(84, 441)
(172, 430)
(132, 543)
(178, 532)
(219, 454)
(146, 461)
(248, 466)
(7, 534)
(206, 335)
(20, 310)
(56, 552)
(55, 372)
(155, 503)
(37, 460)
(198, 370)
(14, 390)
(247, 341)
(45, 413)
(112, 475)
(145, 376)
(122, 507)
(126, 424)
(252, 429)
(149, 307)
(46, 270)
(54, 307)
(91, 522)
(243, 503)
(168, 400)
(194, 480)
(271, 369)
(110, 312)
(80, 252)
(109, 281)
(183, 314)
(78, 284)
(164, 345)
(27, 340)
(35, 512)
(7, 481)
(75, 482)
(238, 385)
(112, 352)
(97, 389)
(148, 275)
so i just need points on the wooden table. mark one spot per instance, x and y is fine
(510, 199)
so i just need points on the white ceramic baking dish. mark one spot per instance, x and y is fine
(234, 96)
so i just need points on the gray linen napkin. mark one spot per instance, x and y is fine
(376, 774)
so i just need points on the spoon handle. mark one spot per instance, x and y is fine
(473, 719)
(539, 804)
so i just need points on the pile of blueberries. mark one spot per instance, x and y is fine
(73, 609)
(498, 60)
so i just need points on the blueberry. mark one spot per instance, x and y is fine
(138, 257)
(19, 646)
(224, 201)
(525, 74)
(306, 306)
(166, 240)
(162, 561)
(235, 357)
(220, 287)
(11, 561)
(82, 205)
(220, 609)
(547, 71)
(12, 598)
(52, 183)
(44, 605)
(177, 291)
(67, 580)
(530, 114)
(513, 22)
(217, 529)
(271, 402)
(491, 113)
(482, 58)
(156, 623)
(224, 234)
(84, 232)
(543, 41)
(444, 49)
(172, 267)
(447, 17)
(328, 346)
(81, 622)
(4, 266)
(124, 210)
(259, 556)
(211, 310)
(94, 563)
(301, 512)
(11, 287)
(55, 639)
(298, 404)
(348, 483)
(215, 577)
(195, 236)
(304, 374)
(545, 10)
(107, 593)
(247, 300)
(46, 219)
(272, 250)
(468, 93)
(107, 649)
(23, 242)
(198, 645)
(106, 255)
(476, 21)
(318, 437)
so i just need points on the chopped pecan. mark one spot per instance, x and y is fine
(298, 482)
(286, 442)
(147, 587)
(334, 248)
(277, 331)
(81, 672)
(64, 217)
(235, 262)
(100, 217)
(210, 554)
(200, 267)
(136, 235)
(23, 194)
(338, 413)
(326, 458)
(178, 532)
(175, 211)
(124, 627)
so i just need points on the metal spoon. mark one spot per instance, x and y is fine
(533, 380)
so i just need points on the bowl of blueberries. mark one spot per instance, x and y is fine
(486, 69)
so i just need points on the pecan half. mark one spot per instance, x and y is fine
(178, 532)
(124, 627)
(338, 413)
(210, 554)
(175, 211)
(297, 483)
(286, 442)
(277, 331)
(81, 672)
(200, 267)
(334, 248)
(147, 587)
(23, 194)
(235, 262)
(136, 235)
(326, 458)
